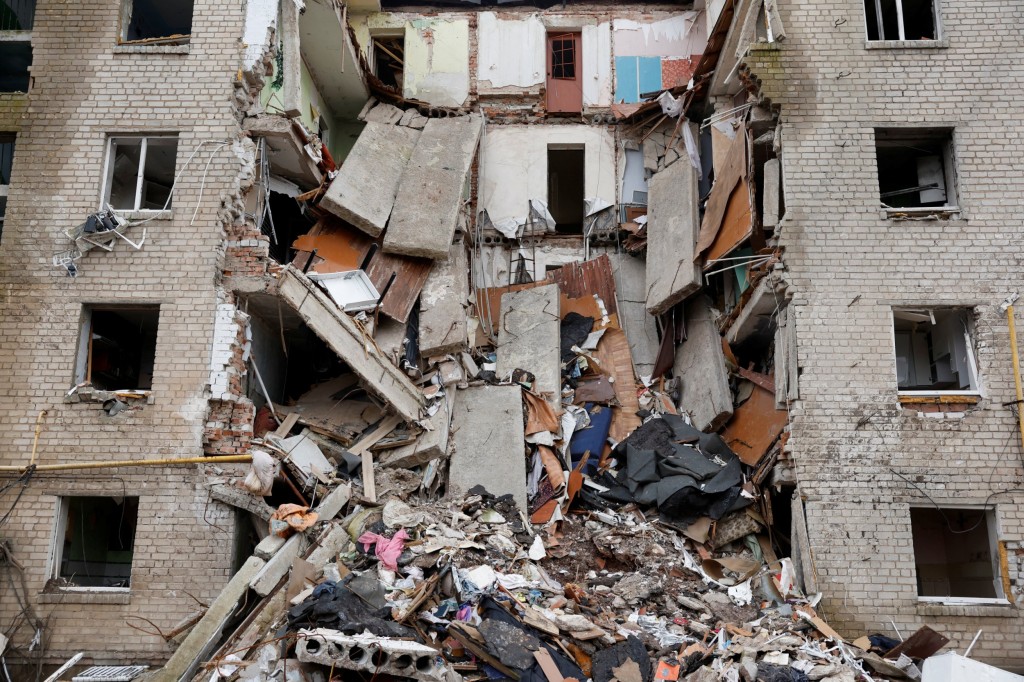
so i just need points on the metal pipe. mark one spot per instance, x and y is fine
(111, 464)
(1016, 371)
(35, 440)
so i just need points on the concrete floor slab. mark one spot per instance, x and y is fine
(700, 363)
(487, 446)
(443, 303)
(672, 228)
(528, 338)
(430, 194)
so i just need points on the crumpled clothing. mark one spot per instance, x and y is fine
(290, 518)
(387, 549)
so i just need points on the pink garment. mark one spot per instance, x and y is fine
(388, 549)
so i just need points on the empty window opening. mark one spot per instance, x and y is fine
(915, 168)
(934, 351)
(389, 60)
(289, 223)
(15, 64)
(164, 22)
(118, 347)
(6, 164)
(564, 82)
(954, 552)
(140, 173)
(95, 541)
(17, 15)
(566, 189)
(901, 19)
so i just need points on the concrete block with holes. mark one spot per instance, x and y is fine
(372, 654)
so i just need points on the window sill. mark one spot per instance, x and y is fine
(85, 595)
(15, 36)
(928, 213)
(145, 214)
(982, 608)
(906, 44)
(142, 48)
(939, 397)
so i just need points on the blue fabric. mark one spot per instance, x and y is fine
(591, 438)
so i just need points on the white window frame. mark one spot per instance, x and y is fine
(108, 175)
(972, 360)
(992, 523)
(899, 24)
(57, 549)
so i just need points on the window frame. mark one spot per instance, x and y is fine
(108, 174)
(61, 508)
(902, 40)
(991, 513)
(124, 22)
(892, 136)
(83, 355)
(972, 356)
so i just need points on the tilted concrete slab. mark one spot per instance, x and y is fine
(700, 364)
(443, 303)
(487, 446)
(378, 374)
(672, 228)
(430, 194)
(756, 321)
(203, 638)
(529, 338)
(429, 446)
(640, 327)
(285, 148)
(363, 192)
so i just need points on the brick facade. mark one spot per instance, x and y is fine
(85, 88)
(862, 460)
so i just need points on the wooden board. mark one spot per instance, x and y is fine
(614, 357)
(343, 248)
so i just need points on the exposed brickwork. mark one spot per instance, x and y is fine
(856, 450)
(84, 90)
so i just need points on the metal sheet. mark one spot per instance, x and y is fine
(754, 426)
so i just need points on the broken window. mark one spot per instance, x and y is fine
(564, 83)
(6, 163)
(566, 188)
(16, 19)
(389, 60)
(118, 347)
(934, 351)
(140, 173)
(163, 22)
(95, 541)
(901, 19)
(954, 552)
(915, 168)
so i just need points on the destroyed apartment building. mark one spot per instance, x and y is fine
(477, 340)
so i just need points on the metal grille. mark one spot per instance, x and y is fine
(17, 15)
(110, 673)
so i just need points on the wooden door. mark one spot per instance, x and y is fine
(565, 77)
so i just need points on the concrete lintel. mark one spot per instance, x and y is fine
(203, 638)
(672, 229)
(529, 338)
(443, 306)
(333, 502)
(377, 160)
(241, 499)
(291, 48)
(338, 331)
(429, 446)
(430, 195)
(700, 364)
(487, 447)
(278, 565)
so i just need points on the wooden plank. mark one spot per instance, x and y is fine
(362, 448)
(342, 248)
(614, 357)
(286, 426)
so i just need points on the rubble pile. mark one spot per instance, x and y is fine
(506, 483)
